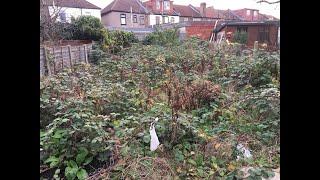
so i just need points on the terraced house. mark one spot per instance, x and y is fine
(66, 9)
(201, 21)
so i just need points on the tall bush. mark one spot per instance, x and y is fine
(166, 37)
(241, 37)
(88, 28)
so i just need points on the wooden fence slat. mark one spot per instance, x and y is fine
(85, 54)
(60, 57)
(47, 60)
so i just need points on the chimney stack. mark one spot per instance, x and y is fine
(203, 9)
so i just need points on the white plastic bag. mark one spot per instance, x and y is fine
(154, 143)
(245, 152)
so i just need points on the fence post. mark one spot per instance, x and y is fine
(54, 60)
(255, 47)
(62, 57)
(70, 55)
(47, 64)
(85, 54)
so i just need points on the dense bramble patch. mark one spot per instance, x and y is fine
(95, 118)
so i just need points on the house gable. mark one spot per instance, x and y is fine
(125, 6)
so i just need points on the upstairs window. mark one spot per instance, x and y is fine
(166, 19)
(123, 19)
(166, 5)
(135, 19)
(255, 13)
(248, 13)
(172, 20)
(141, 20)
(196, 19)
(63, 17)
(158, 4)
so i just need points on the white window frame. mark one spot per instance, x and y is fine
(142, 19)
(255, 13)
(248, 12)
(185, 19)
(166, 19)
(158, 4)
(123, 19)
(172, 19)
(196, 19)
(135, 18)
(61, 14)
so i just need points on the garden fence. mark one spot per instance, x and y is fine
(54, 59)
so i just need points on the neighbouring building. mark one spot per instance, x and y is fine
(125, 13)
(261, 31)
(200, 21)
(161, 12)
(66, 9)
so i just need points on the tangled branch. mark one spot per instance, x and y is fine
(268, 2)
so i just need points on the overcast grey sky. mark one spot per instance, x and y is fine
(264, 8)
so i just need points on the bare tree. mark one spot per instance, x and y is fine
(268, 2)
(48, 18)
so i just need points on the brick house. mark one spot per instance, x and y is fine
(203, 13)
(259, 27)
(161, 12)
(125, 13)
(201, 21)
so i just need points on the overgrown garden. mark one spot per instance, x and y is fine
(95, 118)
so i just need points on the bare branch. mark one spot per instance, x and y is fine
(268, 2)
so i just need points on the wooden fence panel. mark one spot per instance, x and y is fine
(55, 59)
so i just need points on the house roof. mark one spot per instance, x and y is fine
(125, 6)
(148, 6)
(261, 17)
(71, 4)
(186, 11)
(244, 23)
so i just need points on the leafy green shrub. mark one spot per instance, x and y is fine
(97, 54)
(88, 28)
(165, 37)
(241, 37)
(119, 40)
(103, 111)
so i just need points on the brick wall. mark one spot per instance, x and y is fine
(202, 30)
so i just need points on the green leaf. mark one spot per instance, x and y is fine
(191, 161)
(72, 164)
(70, 173)
(88, 160)
(83, 152)
(54, 161)
(82, 174)
(146, 138)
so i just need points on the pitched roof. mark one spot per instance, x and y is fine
(125, 6)
(221, 25)
(186, 11)
(218, 13)
(72, 4)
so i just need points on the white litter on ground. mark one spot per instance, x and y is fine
(154, 143)
(245, 152)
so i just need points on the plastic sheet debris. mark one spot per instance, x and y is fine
(154, 143)
(245, 152)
